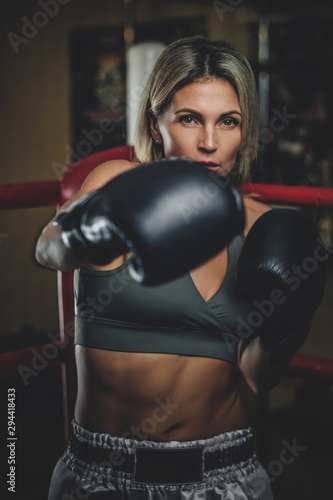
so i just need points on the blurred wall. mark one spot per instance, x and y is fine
(35, 125)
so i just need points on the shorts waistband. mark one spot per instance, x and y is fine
(169, 462)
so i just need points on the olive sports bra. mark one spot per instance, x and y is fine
(114, 312)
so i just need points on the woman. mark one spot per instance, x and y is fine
(200, 103)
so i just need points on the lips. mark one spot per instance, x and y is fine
(210, 165)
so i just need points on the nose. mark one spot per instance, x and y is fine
(207, 140)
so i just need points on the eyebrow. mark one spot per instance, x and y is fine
(192, 111)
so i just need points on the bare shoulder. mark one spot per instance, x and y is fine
(253, 210)
(100, 175)
(104, 173)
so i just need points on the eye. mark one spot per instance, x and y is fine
(230, 122)
(188, 119)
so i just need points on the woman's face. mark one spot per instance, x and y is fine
(203, 123)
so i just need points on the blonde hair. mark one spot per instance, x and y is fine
(188, 60)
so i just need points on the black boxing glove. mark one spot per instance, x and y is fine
(172, 214)
(282, 269)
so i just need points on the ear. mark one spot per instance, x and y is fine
(154, 128)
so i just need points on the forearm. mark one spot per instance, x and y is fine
(51, 251)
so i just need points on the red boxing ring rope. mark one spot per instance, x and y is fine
(48, 193)
(291, 195)
(30, 194)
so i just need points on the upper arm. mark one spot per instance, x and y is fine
(260, 374)
(99, 176)
(253, 359)
(253, 210)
